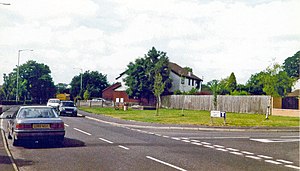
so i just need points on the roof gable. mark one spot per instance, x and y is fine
(182, 72)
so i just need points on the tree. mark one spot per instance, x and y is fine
(291, 65)
(93, 81)
(159, 87)
(254, 86)
(215, 88)
(276, 82)
(86, 95)
(35, 82)
(231, 83)
(140, 74)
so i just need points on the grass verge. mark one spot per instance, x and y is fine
(194, 117)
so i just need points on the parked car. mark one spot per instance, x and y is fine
(35, 123)
(98, 99)
(54, 103)
(67, 108)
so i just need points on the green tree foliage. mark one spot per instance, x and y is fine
(93, 81)
(231, 83)
(291, 65)
(275, 81)
(62, 88)
(159, 87)
(215, 88)
(86, 95)
(35, 83)
(141, 74)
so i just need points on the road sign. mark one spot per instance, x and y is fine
(217, 114)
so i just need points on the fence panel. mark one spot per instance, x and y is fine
(237, 104)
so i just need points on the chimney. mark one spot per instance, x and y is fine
(190, 73)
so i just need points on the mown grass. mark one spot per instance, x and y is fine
(194, 117)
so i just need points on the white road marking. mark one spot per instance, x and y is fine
(126, 148)
(273, 162)
(296, 136)
(208, 146)
(284, 161)
(253, 157)
(275, 140)
(292, 166)
(206, 143)
(66, 125)
(221, 149)
(236, 153)
(195, 143)
(246, 152)
(232, 149)
(165, 163)
(82, 131)
(187, 141)
(106, 140)
(266, 157)
(174, 138)
(218, 137)
(166, 136)
(79, 115)
(195, 140)
(219, 146)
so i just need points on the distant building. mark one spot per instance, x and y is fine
(183, 80)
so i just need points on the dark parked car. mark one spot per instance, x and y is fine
(67, 108)
(35, 123)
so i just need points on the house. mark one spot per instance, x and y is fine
(183, 80)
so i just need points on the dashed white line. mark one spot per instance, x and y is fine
(232, 149)
(67, 125)
(236, 153)
(195, 143)
(219, 146)
(174, 138)
(266, 157)
(166, 136)
(253, 157)
(165, 163)
(292, 166)
(221, 149)
(82, 131)
(284, 161)
(273, 162)
(105, 140)
(126, 148)
(206, 143)
(208, 146)
(195, 140)
(187, 141)
(246, 152)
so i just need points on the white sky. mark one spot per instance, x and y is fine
(214, 38)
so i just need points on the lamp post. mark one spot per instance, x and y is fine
(18, 70)
(81, 71)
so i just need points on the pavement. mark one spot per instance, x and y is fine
(7, 162)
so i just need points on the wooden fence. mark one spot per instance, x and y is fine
(237, 104)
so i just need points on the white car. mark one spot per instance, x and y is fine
(54, 103)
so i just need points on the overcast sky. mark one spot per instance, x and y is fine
(214, 38)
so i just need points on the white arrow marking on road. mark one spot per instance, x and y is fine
(165, 163)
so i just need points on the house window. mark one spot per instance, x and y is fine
(182, 80)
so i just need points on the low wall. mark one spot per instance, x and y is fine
(286, 112)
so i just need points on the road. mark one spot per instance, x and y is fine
(94, 144)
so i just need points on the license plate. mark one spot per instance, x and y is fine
(40, 126)
(68, 112)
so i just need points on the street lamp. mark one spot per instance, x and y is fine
(80, 77)
(18, 70)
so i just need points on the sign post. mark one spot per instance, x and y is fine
(217, 114)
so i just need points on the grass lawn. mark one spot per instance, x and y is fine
(194, 117)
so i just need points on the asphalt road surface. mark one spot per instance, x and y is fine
(91, 144)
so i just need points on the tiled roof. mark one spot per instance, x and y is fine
(182, 72)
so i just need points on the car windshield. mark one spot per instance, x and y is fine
(67, 104)
(37, 113)
(53, 101)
